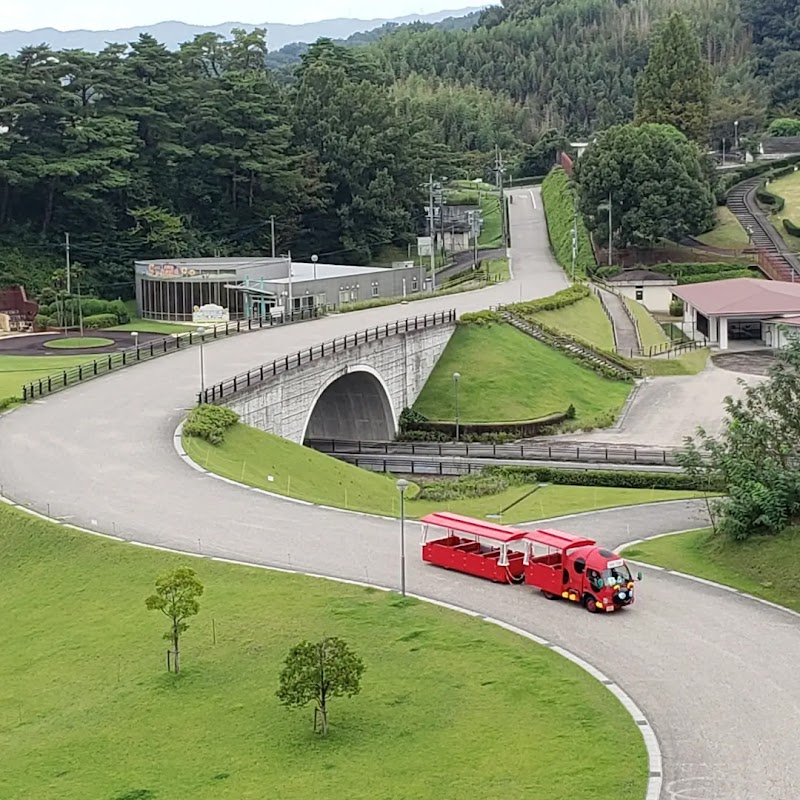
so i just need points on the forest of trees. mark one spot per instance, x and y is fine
(139, 151)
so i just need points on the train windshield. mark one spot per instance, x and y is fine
(618, 573)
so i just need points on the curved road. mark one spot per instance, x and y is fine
(715, 673)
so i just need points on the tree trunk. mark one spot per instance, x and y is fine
(324, 715)
(176, 649)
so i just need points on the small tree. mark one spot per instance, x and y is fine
(315, 672)
(176, 597)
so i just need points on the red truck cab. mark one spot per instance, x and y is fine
(578, 570)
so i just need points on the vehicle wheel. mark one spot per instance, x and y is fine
(590, 603)
(548, 595)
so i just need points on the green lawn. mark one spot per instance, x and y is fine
(766, 566)
(508, 376)
(78, 343)
(650, 332)
(688, 363)
(448, 702)
(152, 326)
(727, 232)
(251, 456)
(498, 269)
(789, 189)
(584, 319)
(16, 370)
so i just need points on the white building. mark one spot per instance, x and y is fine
(652, 289)
(740, 309)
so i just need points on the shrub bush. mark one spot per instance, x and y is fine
(559, 197)
(791, 228)
(210, 423)
(676, 307)
(479, 485)
(720, 276)
(579, 477)
(566, 297)
(784, 126)
(480, 318)
(100, 321)
(772, 201)
(91, 307)
(7, 402)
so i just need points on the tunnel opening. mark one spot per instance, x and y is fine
(354, 406)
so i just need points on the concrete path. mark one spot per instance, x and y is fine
(624, 331)
(716, 674)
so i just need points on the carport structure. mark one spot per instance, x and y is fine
(740, 309)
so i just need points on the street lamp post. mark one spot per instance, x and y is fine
(135, 335)
(201, 332)
(736, 134)
(402, 485)
(456, 378)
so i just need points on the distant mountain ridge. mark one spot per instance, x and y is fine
(173, 33)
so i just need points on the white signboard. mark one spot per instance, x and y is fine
(424, 245)
(210, 313)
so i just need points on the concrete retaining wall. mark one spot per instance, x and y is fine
(401, 364)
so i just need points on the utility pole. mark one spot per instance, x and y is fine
(609, 230)
(291, 306)
(272, 235)
(498, 166)
(433, 235)
(66, 247)
(574, 242)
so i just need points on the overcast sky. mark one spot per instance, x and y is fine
(103, 15)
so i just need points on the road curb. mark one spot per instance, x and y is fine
(654, 756)
(695, 578)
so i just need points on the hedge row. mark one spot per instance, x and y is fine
(579, 477)
(773, 202)
(210, 423)
(721, 276)
(559, 198)
(791, 228)
(566, 297)
(702, 268)
(494, 480)
(90, 306)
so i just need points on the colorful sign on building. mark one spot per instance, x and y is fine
(210, 313)
(170, 271)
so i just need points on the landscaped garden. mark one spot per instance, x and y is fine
(509, 376)
(727, 233)
(788, 188)
(88, 710)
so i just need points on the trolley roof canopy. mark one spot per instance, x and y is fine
(558, 539)
(475, 527)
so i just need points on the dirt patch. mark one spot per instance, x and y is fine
(754, 362)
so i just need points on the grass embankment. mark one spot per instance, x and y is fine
(88, 710)
(585, 320)
(687, 363)
(151, 326)
(765, 566)
(251, 456)
(727, 233)
(788, 188)
(78, 343)
(559, 199)
(491, 234)
(650, 332)
(507, 376)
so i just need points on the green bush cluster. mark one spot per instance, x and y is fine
(559, 197)
(498, 437)
(784, 126)
(720, 276)
(773, 202)
(771, 169)
(7, 402)
(791, 228)
(112, 312)
(479, 485)
(210, 423)
(566, 297)
(480, 318)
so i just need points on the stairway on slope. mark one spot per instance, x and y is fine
(626, 336)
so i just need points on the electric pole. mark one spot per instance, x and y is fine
(498, 167)
(433, 234)
(66, 247)
(610, 233)
(272, 235)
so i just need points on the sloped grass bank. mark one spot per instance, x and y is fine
(508, 376)
(277, 465)
(765, 566)
(87, 709)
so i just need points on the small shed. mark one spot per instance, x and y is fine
(652, 289)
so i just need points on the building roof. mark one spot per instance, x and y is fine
(742, 297)
(784, 320)
(780, 144)
(642, 276)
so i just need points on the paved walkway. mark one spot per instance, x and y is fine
(624, 330)
(101, 455)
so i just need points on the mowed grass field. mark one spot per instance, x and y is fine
(508, 376)
(765, 566)
(252, 457)
(727, 233)
(17, 370)
(451, 707)
(788, 188)
(585, 319)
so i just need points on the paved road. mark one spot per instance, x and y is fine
(627, 342)
(715, 674)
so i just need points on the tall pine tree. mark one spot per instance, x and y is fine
(675, 86)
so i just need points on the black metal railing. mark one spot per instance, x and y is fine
(673, 348)
(155, 348)
(230, 386)
(590, 452)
